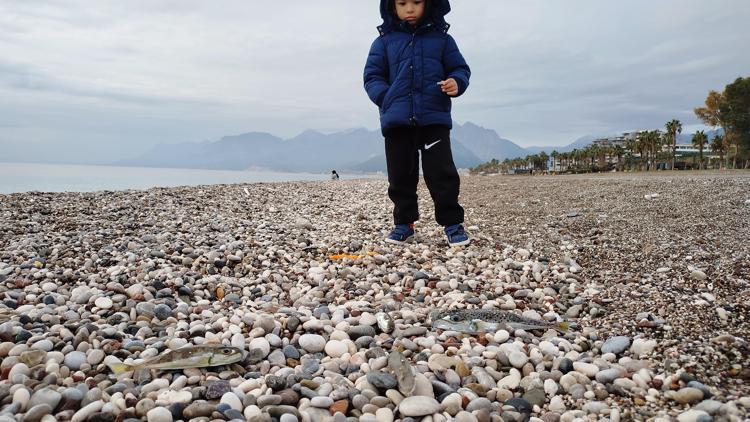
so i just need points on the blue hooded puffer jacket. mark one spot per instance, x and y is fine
(405, 65)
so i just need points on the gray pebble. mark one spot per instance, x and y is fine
(162, 312)
(616, 345)
(382, 380)
(35, 413)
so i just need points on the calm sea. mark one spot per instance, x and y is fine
(23, 177)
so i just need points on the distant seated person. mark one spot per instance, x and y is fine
(334, 175)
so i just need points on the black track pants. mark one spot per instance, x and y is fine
(403, 146)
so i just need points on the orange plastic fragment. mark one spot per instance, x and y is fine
(352, 257)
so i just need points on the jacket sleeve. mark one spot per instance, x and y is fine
(376, 72)
(455, 65)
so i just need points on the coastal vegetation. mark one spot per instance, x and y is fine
(728, 112)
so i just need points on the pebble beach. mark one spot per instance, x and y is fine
(653, 269)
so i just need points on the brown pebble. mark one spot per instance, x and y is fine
(310, 384)
(477, 388)
(462, 370)
(339, 406)
(482, 339)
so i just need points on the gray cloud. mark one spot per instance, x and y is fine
(112, 78)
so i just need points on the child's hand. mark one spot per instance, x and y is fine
(449, 86)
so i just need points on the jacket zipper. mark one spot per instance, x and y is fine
(411, 94)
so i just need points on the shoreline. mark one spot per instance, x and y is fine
(20, 178)
(134, 273)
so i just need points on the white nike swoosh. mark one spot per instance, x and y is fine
(428, 146)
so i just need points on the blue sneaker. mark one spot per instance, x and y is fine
(401, 234)
(456, 235)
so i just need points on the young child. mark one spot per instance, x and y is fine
(413, 69)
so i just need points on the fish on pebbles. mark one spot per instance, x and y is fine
(183, 358)
(475, 321)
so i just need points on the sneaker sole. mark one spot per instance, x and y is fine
(464, 243)
(409, 239)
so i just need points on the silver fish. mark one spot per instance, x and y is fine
(186, 357)
(474, 321)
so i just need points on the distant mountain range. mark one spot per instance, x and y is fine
(356, 150)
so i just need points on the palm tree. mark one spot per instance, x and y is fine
(631, 147)
(674, 128)
(648, 144)
(564, 161)
(619, 152)
(655, 145)
(554, 155)
(719, 146)
(583, 158)
(658, 142)
(699, 141)
(544, 158)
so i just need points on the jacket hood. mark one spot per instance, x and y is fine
(436, 11)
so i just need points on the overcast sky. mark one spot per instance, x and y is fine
(111, 78)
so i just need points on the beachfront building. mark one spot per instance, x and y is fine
(688, 150)
(612, 144)
(618, 141)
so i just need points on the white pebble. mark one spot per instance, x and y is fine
(86, 411)
(252, 412)
(313, 343)
(74, 360)
(21, 397)
(18, 369)
(588, 369)
(641, 347)
(49, 287)
(159, 414)
(550, 387)
(232, 400)
(367, 319)
(176, 343)
(512, 381)
(698, 275)
(170, 397)
(238, 341)
(451, 404)
(103, 302)
(556, 404)
(335, 348)
(596, 407)
(692, 416)
(321, 402)
(384, 415)
(518, 359)
(548, 348)
(262, 344)
(501, 336)
(155, 385)
(95, 357)
(418, 406)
